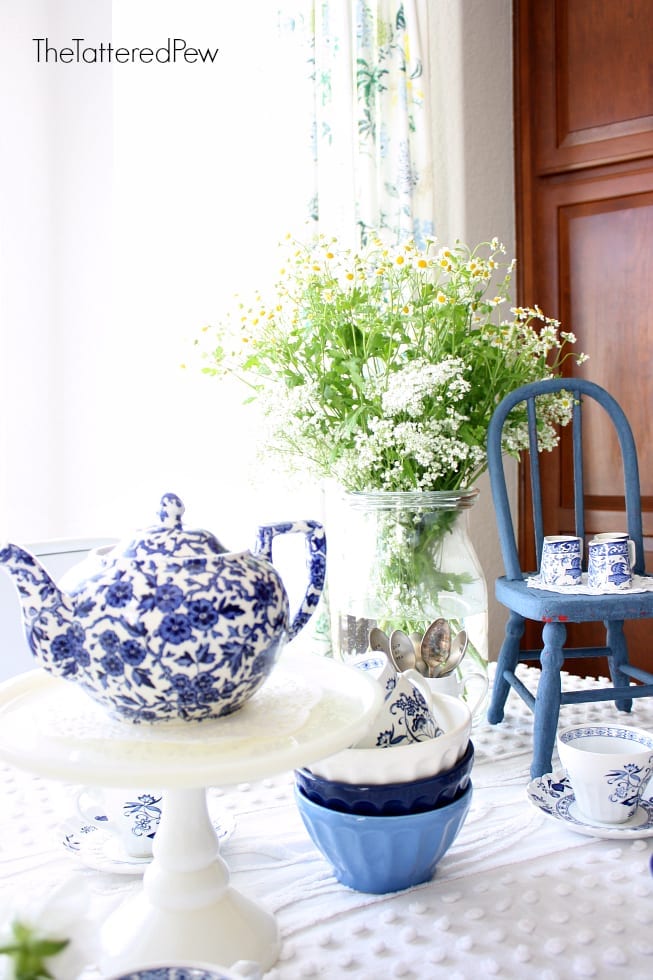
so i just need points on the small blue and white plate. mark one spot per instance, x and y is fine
(553, 796)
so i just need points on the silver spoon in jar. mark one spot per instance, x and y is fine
(436, 646)
(420, 666)
(402, 651)
(458, 651)
(378, 641)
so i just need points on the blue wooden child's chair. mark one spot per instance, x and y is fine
(553, 609)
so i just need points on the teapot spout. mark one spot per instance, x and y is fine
(48, 614)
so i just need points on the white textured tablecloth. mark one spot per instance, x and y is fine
(518, 895)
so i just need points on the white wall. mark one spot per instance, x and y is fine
(185, 242)
(55, 263)
(119, 232)
(471, 81)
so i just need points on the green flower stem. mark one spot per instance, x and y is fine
(404, 566)
(409, 578)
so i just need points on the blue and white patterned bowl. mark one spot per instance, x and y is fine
(383, 854)
(389, 799)
(191, 972)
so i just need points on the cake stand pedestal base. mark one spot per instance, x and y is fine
(187, 910)
(309, 708)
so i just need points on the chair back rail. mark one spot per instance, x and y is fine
(528, 394)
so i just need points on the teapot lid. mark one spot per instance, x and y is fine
(170, 538)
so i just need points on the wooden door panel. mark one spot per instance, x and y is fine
(606, 274)
(598, 279)
(584, 207)
(579, 49)
(606, 269)
(564, 208)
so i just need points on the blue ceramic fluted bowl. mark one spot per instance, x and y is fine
(389, 799)
(383, 854)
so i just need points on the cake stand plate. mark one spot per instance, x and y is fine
(310, 707)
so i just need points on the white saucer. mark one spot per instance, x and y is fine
(101, 850)
(552, 795)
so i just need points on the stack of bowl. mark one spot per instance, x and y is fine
(383, 817)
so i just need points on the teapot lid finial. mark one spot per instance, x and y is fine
(172, 510)
(169, 538)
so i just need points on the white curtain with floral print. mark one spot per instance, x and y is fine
(368, 117)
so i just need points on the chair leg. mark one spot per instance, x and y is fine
(508, 659)
(547, 701)
(616, 641)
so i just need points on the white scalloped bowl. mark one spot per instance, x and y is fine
(404, 763)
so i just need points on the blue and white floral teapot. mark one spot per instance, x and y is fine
(169, 625)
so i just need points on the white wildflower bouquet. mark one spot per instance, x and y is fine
(381, 368)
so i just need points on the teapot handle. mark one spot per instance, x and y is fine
(315, 563)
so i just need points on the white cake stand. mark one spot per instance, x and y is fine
(309, 707)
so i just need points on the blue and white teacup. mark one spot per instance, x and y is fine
(609, 535)
(405, 715)
(562, 556)
(610, 561)
(133, 815)
(609, 768)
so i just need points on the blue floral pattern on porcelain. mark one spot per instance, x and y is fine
(169, 626)
(627, 782)
(174, 973)
(146, 814)
(412, 719)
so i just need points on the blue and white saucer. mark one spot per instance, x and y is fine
(553, 796)
(101, 850)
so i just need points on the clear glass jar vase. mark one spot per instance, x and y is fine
(400, 561)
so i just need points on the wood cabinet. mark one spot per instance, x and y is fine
(584, 185)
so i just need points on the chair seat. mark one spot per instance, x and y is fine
(545, 606)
